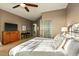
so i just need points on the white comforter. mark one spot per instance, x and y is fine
(37, 46)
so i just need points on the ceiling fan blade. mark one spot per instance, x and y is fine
(26, 9)
(16, 6)
(29, 4)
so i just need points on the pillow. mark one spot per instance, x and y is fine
(58, 40)
(63, 43)
(72, 47)
(57, 37)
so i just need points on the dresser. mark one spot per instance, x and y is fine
(10, 36)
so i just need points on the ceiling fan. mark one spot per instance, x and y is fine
(24, 5)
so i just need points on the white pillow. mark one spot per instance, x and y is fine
(63, 44)
(72, 47)
(57, 37)
(58, 40)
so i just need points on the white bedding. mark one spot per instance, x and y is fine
(37, 46)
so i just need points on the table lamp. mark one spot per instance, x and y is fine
(64, 30)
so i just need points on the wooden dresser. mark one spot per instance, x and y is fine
(10, 36)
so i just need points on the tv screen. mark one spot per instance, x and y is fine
(10, 27)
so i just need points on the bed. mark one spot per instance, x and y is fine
(59, 46)
(36, 47)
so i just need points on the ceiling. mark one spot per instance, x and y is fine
(34, 13)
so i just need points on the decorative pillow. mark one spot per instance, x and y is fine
(63, 43)
(58, 40)
(72, 47)
(57, 37)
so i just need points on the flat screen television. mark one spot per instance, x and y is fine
(11, 27)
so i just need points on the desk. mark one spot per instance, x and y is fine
(25, 35)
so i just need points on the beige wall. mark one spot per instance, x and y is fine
(58, 18)
(72, 13)
(11, 18)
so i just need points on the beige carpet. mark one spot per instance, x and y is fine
(4, 50)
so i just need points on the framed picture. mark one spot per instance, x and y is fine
(23, 27)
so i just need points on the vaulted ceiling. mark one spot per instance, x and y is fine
(34, 13)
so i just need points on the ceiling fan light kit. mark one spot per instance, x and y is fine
(22, 5)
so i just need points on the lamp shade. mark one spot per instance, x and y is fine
(64, 29)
